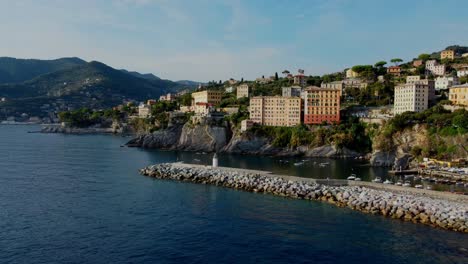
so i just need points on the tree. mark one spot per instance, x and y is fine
(276, 76)
(424, 56)
(396, 60)
(285, 72)
(380, 64)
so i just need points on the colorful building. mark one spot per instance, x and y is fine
(208, 96)
(447, 54)
(275, 110)
(458, 94)
(394, 70)
(321, 105)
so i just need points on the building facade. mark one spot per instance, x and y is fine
(242, 91)
(394, 70)
(412, 97)
(300, 79)
(412, 78)
(462, 71)
(275, 110)
(447, 54)
(209, 96)
(442, 83)
(333, 85)
(434, 68)
(351, 74)
(144, 111)
(293, 91)
(458, 94)
(321, 105)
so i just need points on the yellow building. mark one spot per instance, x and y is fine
(447, 54)
(242, 91)
(275, 110)
(209, 97)
(458, 94)
(351, 74)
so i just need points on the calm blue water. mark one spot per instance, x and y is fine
(79, 199)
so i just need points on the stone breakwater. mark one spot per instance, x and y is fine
(441, 213)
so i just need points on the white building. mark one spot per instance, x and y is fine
(434, 68)
(230, 89)
(462, 71)
(442, 83)
(143, 111)
(412, 97)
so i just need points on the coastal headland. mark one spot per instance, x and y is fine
(443, 210)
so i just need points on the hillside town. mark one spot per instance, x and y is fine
(417, 86)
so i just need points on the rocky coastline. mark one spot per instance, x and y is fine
(417, 208)
(223, 139)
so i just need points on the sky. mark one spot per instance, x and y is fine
(206, 40)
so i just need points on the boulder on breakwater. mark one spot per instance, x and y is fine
(441, 213)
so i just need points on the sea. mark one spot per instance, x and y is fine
(80, 199)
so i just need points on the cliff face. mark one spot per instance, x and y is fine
(398, 151)
(186, 137)
(211, 138)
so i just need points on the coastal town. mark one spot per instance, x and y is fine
(410, 116)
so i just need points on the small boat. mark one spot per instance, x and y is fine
(351, 177)
(418, 186)
(425, 179)
(298, 163)
(398, 183)
(407, 184)
(411, 176)
(428, 187)
(377, 180)
(387, 181)
(196, 160)
(357, 179)
(459, 183)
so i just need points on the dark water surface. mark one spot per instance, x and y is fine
(79, 199)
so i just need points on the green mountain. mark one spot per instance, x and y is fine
(93, 85)
(14, 70)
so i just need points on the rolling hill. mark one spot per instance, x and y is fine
(14, 70)
(93, 85)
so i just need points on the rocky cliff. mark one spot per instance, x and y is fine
(398, 150)
(221, 138)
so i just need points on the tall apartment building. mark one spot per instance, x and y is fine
(209, 97)
(321, 105)
(447, 54)
(434, 68)
(430, 87)
(275, 110)
(458, 94)
(242, 91)
(442, 83)
(412, 97)
(294, 91)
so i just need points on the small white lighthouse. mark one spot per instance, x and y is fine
(215, 160)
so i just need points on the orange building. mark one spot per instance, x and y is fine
(321, 105)
(394, 70)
